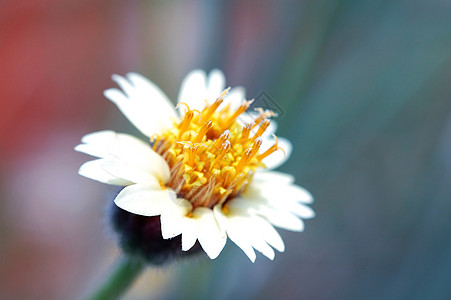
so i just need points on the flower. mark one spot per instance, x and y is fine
(205, 171)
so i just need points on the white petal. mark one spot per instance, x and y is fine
(162, 108)
(103, 143)
(189, 234)
(171, 226)
(303, 196)
(143, 200)
(262, 247)
(274, 192)
(276, 202)
(235, 97)
(211, 238)
(93, 170)
(143, 103)
(261, 227)
(221, 218)
(128, 150)
(124, 84)
(235, 232)
(260, 232)
(269, 234)
(215, 85)
(193, 90)
(241, 239)
(173, 217)
(132, 174)
(282, 219)
(278, 157)
(265, 177)
(302, 211)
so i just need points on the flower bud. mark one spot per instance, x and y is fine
(140, 236)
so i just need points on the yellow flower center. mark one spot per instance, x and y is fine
(211, 156)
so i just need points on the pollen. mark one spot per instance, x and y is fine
(211, 156)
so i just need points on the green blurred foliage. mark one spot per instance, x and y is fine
(365, 90)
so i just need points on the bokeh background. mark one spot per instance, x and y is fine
(366, 97)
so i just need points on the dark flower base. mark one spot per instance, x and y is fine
(141, 236)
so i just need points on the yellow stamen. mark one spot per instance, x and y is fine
(249, 153)
(209, 110)
(263, 114)
(183, 104)
(245, 133)
(220, 141)
(225, 147)
(203, 130)
(243, 107)
(184, 125)
(212, 159)
(261, 129)
(271, 150)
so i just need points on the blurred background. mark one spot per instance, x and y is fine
(366, 97)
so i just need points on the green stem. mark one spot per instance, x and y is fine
(119, 281)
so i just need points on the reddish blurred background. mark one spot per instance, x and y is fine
(56, 58)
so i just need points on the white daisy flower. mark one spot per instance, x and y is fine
(204, 171)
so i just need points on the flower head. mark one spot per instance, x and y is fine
(204, 170)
